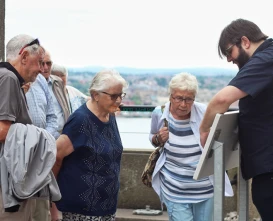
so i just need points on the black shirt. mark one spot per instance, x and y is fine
(256, 111)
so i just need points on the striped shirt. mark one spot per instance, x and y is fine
(182, 156)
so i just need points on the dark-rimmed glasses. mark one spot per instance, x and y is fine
(228, 50)
(35, 41)
(114, 97)
(187, 100)
(48, 63)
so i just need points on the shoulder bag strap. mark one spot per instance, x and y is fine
(165, 122)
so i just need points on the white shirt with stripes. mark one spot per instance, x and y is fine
(182, 156)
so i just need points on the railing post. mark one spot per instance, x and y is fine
(243, 196)
(2, 30)
(219, 179)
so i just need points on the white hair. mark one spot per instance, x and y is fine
(106, 79)
(17, 43)
(59, 68)
(184, 81)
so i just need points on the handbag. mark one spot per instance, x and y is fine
(147, 173)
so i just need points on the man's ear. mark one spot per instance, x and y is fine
(24, 57)
(245, 42)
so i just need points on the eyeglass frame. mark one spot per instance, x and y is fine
(35, 41)
(228, 49)
(114, 97)
(187, 100)
(48, 63)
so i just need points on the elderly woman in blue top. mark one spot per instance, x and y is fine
(89, 153)
(186, 199)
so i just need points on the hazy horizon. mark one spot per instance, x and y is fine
(136, 33)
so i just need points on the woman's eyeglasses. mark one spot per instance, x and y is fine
(114, 97)
(187, 100)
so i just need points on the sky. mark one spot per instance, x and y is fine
(133, 33)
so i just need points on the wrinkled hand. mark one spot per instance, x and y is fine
(203, 137)
(26, 87)
(163, 134)
(54, 212)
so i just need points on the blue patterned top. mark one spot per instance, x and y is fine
(89, 176)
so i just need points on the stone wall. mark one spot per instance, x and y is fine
(135, 195)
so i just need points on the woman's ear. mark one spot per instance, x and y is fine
(95, 96)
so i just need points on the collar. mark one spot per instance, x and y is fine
(8, 66)
(267, 43)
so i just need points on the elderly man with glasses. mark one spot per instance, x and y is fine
(57, 90)
(48, 109)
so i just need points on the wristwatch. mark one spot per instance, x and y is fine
(156, 140)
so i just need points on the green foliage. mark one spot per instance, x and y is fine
(161, 81)
(136, 99)
(81, 86)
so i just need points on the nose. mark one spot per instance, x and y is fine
(183, 103)
(229, 58)
(118, 100)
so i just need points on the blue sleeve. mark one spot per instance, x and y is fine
(75, 130)
(51, 117)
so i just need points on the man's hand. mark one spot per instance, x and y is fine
(4, 128)
(203, 138)
(54, 213)
(26, 87)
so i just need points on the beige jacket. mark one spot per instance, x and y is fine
(59, 92)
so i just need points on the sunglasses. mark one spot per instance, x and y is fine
(48, 63)
(35, 41)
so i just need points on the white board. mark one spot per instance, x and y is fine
(225, 130)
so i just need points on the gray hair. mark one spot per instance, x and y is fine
(184, 81)
(59, 68)
(106, 79)
(17, 43)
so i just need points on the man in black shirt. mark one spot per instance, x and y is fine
(243, 43)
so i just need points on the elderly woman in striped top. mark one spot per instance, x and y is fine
(185, 198)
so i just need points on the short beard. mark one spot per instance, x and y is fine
(242, 58)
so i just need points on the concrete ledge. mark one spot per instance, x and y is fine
(127, 215)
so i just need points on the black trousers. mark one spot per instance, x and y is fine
(262, 195)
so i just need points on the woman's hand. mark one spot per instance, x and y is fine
(163, 135)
